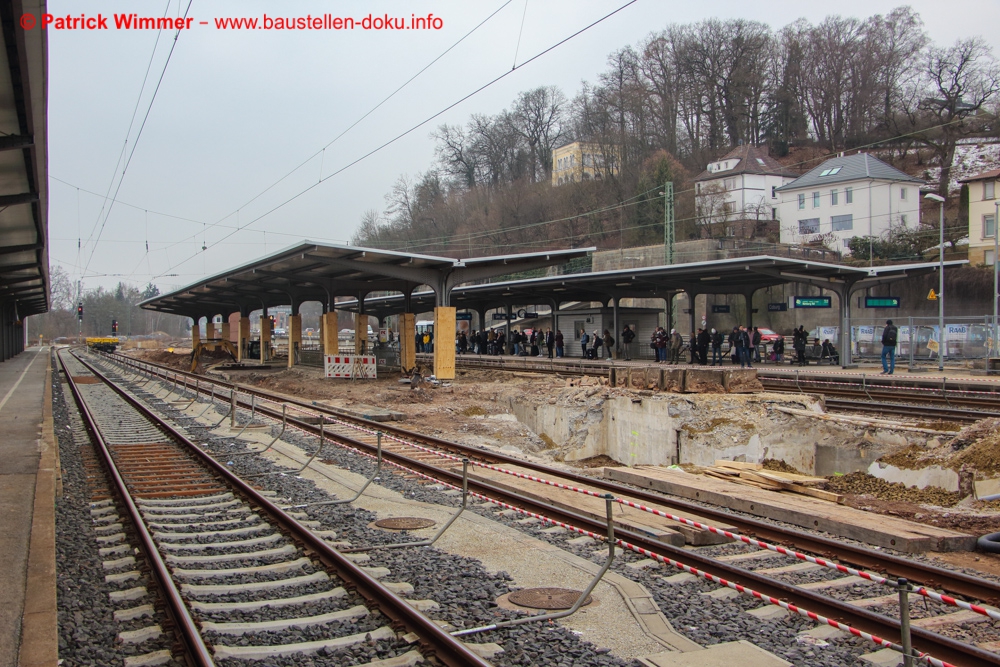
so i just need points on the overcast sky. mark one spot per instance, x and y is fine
(237, 110)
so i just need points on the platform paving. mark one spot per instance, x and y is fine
(741, 653)
(28, 481)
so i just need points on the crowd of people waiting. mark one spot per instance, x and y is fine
(745, 345)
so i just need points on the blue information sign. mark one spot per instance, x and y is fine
(777, 307)
(720, 309)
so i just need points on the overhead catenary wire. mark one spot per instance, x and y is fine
(135, 143)
(131, 123)
(420, 124)
(322, 151)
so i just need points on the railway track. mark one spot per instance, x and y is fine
(227, 560)
(434, 459)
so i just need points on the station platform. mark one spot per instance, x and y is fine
(28, 487)
(867, 369)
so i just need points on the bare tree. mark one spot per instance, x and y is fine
(962, 81)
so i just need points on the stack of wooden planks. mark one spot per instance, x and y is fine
(753, 474)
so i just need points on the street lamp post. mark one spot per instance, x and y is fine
(996, 285)
(941, 335)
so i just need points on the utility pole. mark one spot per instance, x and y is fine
(668, 223)
(941, 335)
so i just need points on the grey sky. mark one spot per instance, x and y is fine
(239, 109)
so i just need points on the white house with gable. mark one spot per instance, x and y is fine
(741, 185)
(854, 195)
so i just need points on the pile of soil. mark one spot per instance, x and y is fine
(863, 484)
(777, 465)
(975, 447)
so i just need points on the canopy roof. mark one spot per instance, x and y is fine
(319, 272)
(728, 276)
(24, 260)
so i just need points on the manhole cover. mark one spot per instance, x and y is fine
(404, 523)
(547, 598)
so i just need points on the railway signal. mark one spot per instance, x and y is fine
(79, 311)
(114, 326)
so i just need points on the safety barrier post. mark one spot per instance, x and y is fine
(232, 409)
(904, 621)
(371, 478)
(284, 424)
(608, 499)
(432, 540)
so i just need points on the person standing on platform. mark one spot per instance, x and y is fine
(743, 348)
(550, 341)
(609, 344)
(676, 343)
(559, 344)
(716, 348)
(755, 341)
(584, 340)
(704, 340)
(658, 341)
(799, 340)
(890, 336)
(627, 337)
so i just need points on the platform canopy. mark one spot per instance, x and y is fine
(726, 276)
(24, 261)
(320, 272)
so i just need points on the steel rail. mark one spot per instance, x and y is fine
(959, 583)
(187, 631)
(939, 646)
(434, 641)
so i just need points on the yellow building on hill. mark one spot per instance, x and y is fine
(581, 161)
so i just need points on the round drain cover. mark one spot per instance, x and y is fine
(404, 523)
(547, 598)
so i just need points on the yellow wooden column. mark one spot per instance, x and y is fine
(195, 334)
(244, 338)
(294, 338)
(226, 332)
(265, 338)
(407, 343)
(444, 343)
(331, 345)
(209, 335)
(360, 331)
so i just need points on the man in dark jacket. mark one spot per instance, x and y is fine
(627, 337)
(890, 336)
(716, 348)
(704, 340)
(799, 340)
(743, 350)
(755, 341)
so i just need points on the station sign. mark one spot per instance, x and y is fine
(524, 314)
(503, 316)
(813, 301)
(777, 307)
(881, 302)
(720, 309)
(459, 317)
